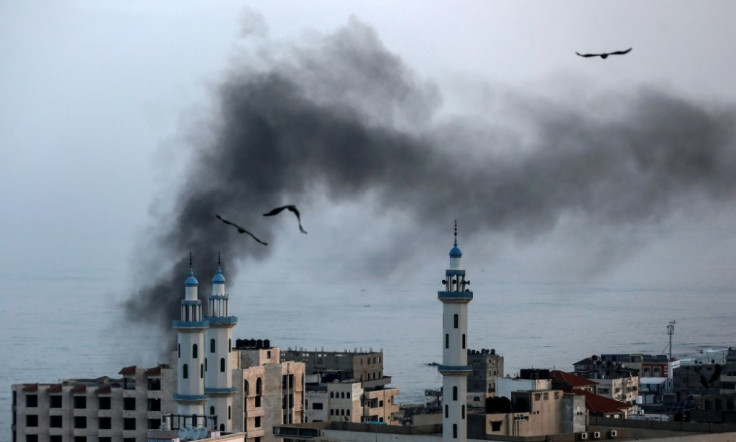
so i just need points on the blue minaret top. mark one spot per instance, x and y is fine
(191, 281)
(455, 252)
(219, 278)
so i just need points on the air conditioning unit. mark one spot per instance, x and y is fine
(596, 435)
(583, 436)
(612, 434)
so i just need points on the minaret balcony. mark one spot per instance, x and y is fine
(189, 325)
(462, 370)
(195, 398)
(220, 391)
(222, 321)
(460, 297)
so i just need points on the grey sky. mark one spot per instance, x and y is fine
(105, 105)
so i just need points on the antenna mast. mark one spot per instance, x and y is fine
(670, 332)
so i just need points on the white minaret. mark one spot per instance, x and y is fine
(190, 397)
(219, 344)
(454, 368)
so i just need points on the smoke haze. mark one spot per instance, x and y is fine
(343, 116)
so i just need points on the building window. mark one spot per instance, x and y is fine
(496, 425)
(55, 401)
(317, 406)
(462, 412)
(246, 387)
(222, 365)
(201, 371)
(229, 412)
(57, 438)
(258, 401)
(55, 421)
(230, 345)
(153, 424)
(463, 340)
(454, 431)
(457, 321)
(154, 384)
(80, 402)
(332, 395)
(32, 401)
(31, 420)
(129, 403)
(212, 345)
(154, 404)
(447, 411)
(80, 438)
(212, 410)
(129, 423)
(105, 423)
(178, 349)
(80, 421)
(194, 351)
(31, 437)
(104, 402)
(454, 393)
(105, 439)
(447, 340)
(185, 371)
(259, 386)
(258, 422)
(205, 364)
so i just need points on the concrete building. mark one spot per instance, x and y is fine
(487, 367)
(346, 387)
(536, 413)
(103, 409)
(454, 368)
(212, 389)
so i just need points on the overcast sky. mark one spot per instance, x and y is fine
(108, 107)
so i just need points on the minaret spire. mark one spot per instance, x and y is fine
(190, 397)
(219, 341)
(454, 368)
(455, 233)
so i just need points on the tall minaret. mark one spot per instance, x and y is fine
(219, 342)
(454, 368)
(190, 397)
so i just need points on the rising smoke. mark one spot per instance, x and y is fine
(344, 116)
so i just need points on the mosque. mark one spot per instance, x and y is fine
(215, 389)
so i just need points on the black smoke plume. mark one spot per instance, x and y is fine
(344, 116)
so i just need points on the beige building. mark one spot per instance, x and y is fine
(346, 387)
(538, 413)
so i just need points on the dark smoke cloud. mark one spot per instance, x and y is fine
(343, 115)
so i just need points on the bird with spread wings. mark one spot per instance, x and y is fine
(240, 229)
(292, 208)
(605, 54)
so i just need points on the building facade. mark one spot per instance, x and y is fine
(487, 367)
(346, 387)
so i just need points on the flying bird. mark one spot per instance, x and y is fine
(240, 229)
(605, 54)
(292, 208)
